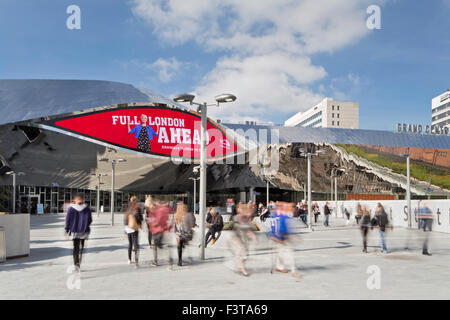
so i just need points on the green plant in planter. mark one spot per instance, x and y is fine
(5, 196)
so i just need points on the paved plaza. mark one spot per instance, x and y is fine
(329, 261)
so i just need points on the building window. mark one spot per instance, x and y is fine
(332, 123)
(338, 123)
(332, 115)
(338, 107)
(338, 115)
(332, 107)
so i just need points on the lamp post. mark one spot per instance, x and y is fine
(223, 98)
(99, 182)
(113, 164)
(408, 186)
(14, 174)
(335, 176)
(309, 155)
(195, 190)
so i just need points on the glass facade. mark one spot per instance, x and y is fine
(55, 199)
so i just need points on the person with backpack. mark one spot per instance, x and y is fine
(78, 221)
(184, 222)
(382, 221)
(133, 221)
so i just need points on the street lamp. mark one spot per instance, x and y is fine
(408, 186)
(308, 155)
(195, 170)
(99, 177)
(14, 174)
(335, 175)
(223, 98)
(113, 164)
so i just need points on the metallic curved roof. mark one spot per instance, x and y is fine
(30, 99)
(280, 134)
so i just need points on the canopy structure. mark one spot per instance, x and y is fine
(338, 136)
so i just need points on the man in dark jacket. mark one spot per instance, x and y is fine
(381, 220)
(78, 221)
(215, 226)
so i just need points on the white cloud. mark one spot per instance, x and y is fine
(266, 46)
(165, 68)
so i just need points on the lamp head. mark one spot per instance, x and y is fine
(225, 97)
(185, 97)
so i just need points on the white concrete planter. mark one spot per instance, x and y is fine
(17, 231)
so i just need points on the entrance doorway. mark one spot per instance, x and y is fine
(29, 204)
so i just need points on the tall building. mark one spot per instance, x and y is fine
(327, 114)
(440, 110)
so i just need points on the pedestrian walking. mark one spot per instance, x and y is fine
(159, 227)
(148, 207)
(359, 213)
(184, 222)
(77, 225)
(316, 211)
(365, 225)
(426, 216)
(327, 213)
(241, 236)
(382, 221)
(279, 234)
(133, 221)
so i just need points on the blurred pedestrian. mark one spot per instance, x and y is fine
(359, 213)
(184, 222)
(133, 221)
(326, 212)
(279, 234)
(426, 216)
(241, 236)
(382, 221)
(148, 207)
(77, 225)
(316, 211)
(365, 225)
(158, 221)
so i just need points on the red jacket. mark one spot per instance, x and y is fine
(158, 219)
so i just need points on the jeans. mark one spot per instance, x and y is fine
(211, 234)
(383, 241)
(327, 216)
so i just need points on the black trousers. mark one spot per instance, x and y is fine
(315, 217)
(133, 245)
(150, 236)
(181, 244)
(78, 246)
(364, 231)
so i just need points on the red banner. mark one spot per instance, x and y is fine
(160, 131)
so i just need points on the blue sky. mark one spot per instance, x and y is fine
(276, 61)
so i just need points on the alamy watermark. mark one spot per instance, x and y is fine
(374, 19)
(374, 280)
(74, 20)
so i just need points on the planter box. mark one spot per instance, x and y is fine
(17, 232)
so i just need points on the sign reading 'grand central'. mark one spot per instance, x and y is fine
(158, 130)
